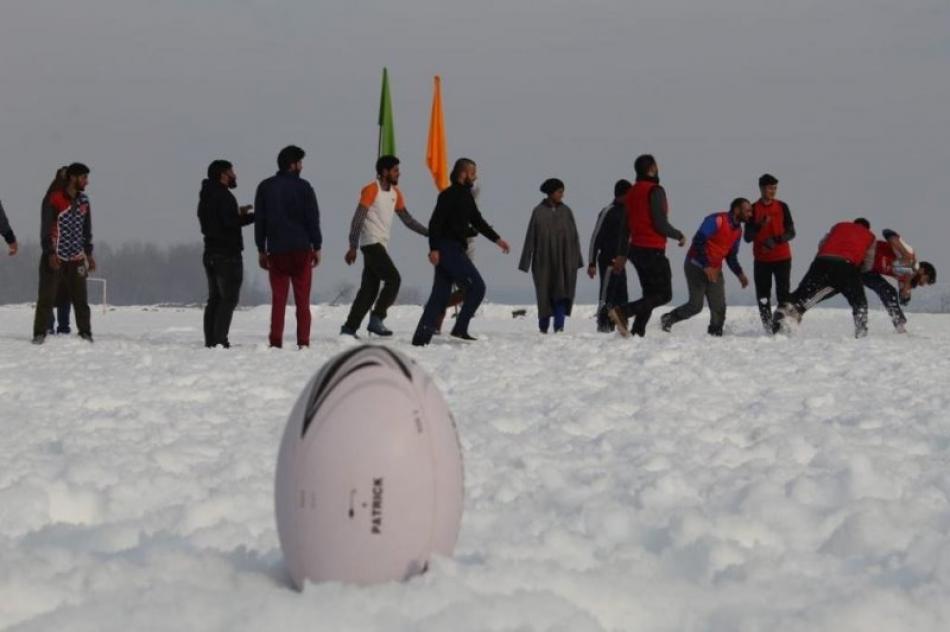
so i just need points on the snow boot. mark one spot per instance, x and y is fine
(377, 327)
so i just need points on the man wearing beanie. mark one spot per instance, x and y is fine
(770, 231)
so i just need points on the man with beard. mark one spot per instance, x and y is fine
(646, 229)
(370, 231)
(221, 221)
(66, 232)
(456, 214)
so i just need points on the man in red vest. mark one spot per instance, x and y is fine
(770, 231)
(846, 249)
(717, 240)
(646, 230)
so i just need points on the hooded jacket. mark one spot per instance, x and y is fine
(220, 219)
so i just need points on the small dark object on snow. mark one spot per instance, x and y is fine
(519, 313)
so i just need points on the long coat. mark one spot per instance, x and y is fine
(552, 251)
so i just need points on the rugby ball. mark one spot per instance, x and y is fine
(369, 474)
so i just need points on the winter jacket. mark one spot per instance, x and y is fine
(286, 217)
(456, 217)
(5, 229)
(716, 240)
(221, 220)
(605, 243)
(770, 230)
(66, 226)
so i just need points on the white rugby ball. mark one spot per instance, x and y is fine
(369, 474)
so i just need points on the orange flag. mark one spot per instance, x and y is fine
(437, 158)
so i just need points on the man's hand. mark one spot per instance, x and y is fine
(314, 258)
(262, 261)
(618, 263)
(13, 249)
(769, 243)
(505, 248)
(681, 241)
(712, 274)
(90, 263)
(743, 280)
(434, 257)
(350, 256)
(592, 270)
(247, 208)
(54, 262)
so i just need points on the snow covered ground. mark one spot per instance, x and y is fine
(671, 483)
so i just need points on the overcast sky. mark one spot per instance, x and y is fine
(846, 101)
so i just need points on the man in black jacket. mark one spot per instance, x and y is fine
(221, 220)
(604, 247)
(455, 216)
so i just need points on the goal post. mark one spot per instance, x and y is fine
(105, 295)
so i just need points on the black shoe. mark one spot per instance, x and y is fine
(346, 331)
(420, 340)
(464, 336)
(86, 337)
(715, 331)
(39, 339)
(666, 322)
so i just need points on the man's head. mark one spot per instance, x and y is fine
(387, 169)
(768, 186)
(620, 188)
(290, 159)
(926, 274)
(465, 172)
(77, 176)
(741, 209)
(863, 222)
(554, 189)
(645, 166)
(222, 172)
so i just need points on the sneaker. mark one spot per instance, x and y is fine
(420, 339)
(377, 327)
(666, 322)
(86, 337)
(38, 340)
(619, 321)
(464, 336)
(346, 331)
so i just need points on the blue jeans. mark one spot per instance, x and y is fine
(560, 315)
(454, 267)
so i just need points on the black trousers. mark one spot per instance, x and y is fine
(826, 277)
(613, 291)
(378, 268)
(225, 274)
(72, 276)
(888, 295)
(656, 279)
(763, 272)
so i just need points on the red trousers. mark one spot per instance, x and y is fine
(285, 269)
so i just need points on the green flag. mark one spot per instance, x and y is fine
(387, 131)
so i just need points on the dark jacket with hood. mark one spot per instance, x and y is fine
(221, 220)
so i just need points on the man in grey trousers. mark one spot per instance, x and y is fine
(717, 240)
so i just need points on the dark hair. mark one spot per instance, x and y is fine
(288, 156)
(642, 165)
(767, 180)
(549, 186)
(736, 203)
(59, 180)
(931, 271)
(385, 163)
(621, 187)
(76, 169)
(217, 168)
(460, 165)
(863, 222)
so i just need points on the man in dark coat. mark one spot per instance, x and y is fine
(455, 216)
(604, 248)
(552, 252)
(221, 220)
